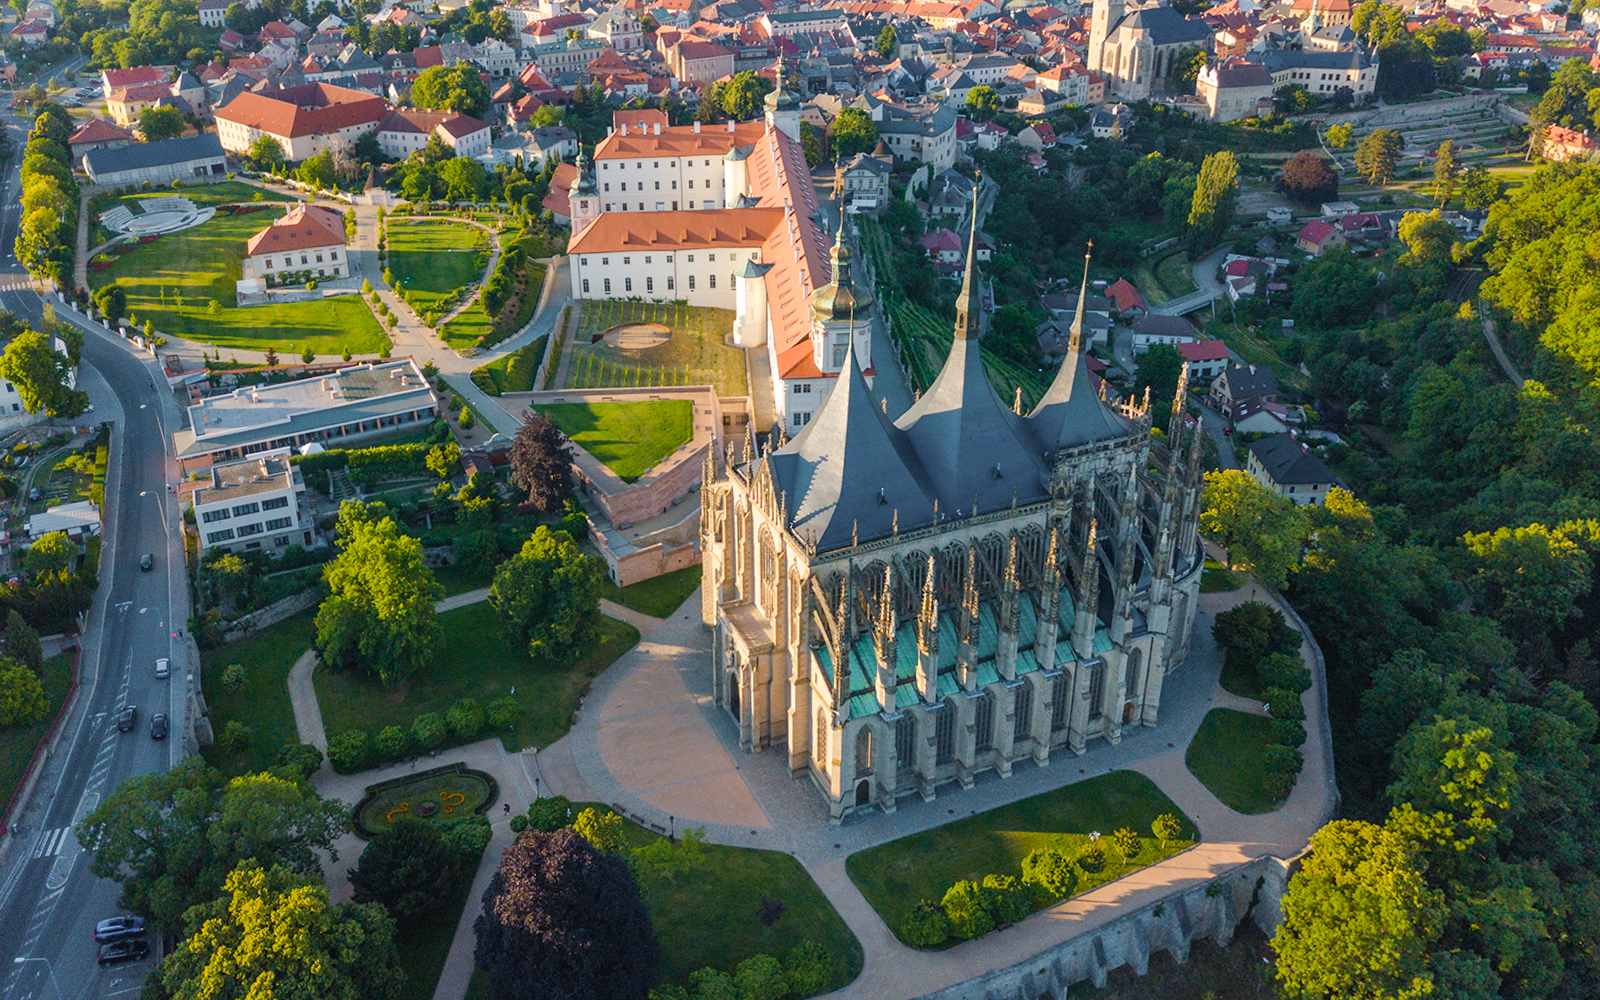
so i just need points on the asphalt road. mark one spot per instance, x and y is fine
(49, 903)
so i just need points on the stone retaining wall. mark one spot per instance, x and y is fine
(272, 614)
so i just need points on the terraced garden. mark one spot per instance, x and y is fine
(693, 355)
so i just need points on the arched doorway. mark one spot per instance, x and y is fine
(863, 793)
(733, 693)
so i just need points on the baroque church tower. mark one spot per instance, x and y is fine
(904, 604)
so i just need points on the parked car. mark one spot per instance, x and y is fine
(117, 928)
(34, 494)
(158, 726)
(118, 952)
(147, 562)
(163, 667)
(126, 717)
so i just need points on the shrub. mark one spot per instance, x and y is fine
(1283, 760)
(519, 823)
(1092, 859)
(968, 910)
(926, 926)
(311, 285)
(1284, 670)
(1007, 897)
(394, 743)
(1127, 843)
(760, 977)
(350, 751)
(235, 737)
(502, 712)
(1051, 871)
(1289, 732)
(301, 758)
(808, 967)
(549, 814)
(466, 719)
(1167, 828)
(430, 730)
(455, 403)
(1284, 704)
(233, 677)
(366, 287)
(466, 420)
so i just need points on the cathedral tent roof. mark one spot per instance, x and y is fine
(1166, 26)
(1071, 414)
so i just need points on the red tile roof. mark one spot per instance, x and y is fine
(304, 228)
(309, 109)
(1203, 350)
(683, 230)
(128, 77)
(98, 130)
(1125, 295)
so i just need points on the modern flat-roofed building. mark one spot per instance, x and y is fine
(254, 503)
(331, 410)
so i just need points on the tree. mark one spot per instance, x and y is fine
(1377, 155)
(982, 102)
(1186, 67)
(157, 123)
(1215, 189)
(1333, 290)
(810, 145)
(563, 921)
(452, 88)
(1167, 828)
(1339, 136)
(464, 179)
(43, 378)
(1530, 577)
(379, 614)
(1309, 179)
(1455, 769)
(964, 903)
(888, 41)
(541, 463)
(1158, 372)
(1258, 528)
(740, 98)
(53, 555)
(112, 301)
(1358, 918)
(601, 828)
(1428, 237)
(443, 459)
(318, 171)
(22, 642)
(22, 700)
(1444, 172)
(1479, 188)
(852, 132)
(172, 837)
(409, 868)
(271, 932)
(548, 597)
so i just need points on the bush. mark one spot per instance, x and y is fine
(1280, 759)
(1007, 898)
(966, 906)
(233, 677)
(311, 285)
(430, 730)
(1127, 843)
(502, 712)
(301, 758)
(760, 977)
(235, 737)
(808, 967)
(1051, 871)
(1288, 732)
(455, 403)
(549, 814)
(519, 823)
(1092, 860)
(466, 420)
(350, 752)
(926, 926)
(1284, 704)
(1284, 670)
(394, 743)
(466, 719)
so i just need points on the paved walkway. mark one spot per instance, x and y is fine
(1494, 346)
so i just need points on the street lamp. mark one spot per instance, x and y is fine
(20, 960)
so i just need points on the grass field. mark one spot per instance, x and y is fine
(659, 596)
(262, 702)
(513, 372)
(473, 661)
(184, 284)
(629, 438)
(1239, 677)
(694, 355)
(18, 744)
(423, 947)
(431, 260)
(1226, 755)
(1216, 577)
(895, 876)
(225, 193)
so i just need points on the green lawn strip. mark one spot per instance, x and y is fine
(473, 661)
(459, 580)
(1216, 577)
(1175, 275)
(17, 744)
(474, 322)
(895, 876)
(224, 193)
(440, 789)
(173, 281)
(628, 438)
(658, 596)
(512, 372)
(423, 947)
(1226, 754)
(433, 235)
(1239, 677)
(262, 702)
(432, 260)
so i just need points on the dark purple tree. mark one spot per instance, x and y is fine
(541, 463)
(561, 921)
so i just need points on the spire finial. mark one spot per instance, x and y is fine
(1075, 340)
(1016, 405)
(968, 303)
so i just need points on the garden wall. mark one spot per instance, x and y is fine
(1211, 910)
(272, 614)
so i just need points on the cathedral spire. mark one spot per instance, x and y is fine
(928, 637)
(1075, 339)
(969, 304)
(1069, 414)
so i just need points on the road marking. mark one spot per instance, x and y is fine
(52, 843)
(123, 606)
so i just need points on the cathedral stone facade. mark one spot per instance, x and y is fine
(906, 603)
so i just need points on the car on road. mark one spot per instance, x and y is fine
(147, 562)
(125, 718)
(158, 726)
(118, 952)
(35, 494)
(117, 928)
(163, 667)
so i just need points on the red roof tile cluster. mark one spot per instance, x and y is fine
(309, 109)
(304, 228)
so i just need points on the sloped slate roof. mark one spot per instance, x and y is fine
(143, 155)
(1287, 461)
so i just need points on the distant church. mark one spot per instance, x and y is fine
(906, 603)
(1134, 50)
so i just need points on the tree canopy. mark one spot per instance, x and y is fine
(44, 378)
(452, 88)
(379, 614)
(548, 597)
(541, 462)
(1260, 529)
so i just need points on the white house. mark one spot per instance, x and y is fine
(660, 256)
(254, 503)
(308, 238)
(404, 131)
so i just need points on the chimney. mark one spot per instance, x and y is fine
(730, 126)
(658, 128)
(697, 127)
(624, 130)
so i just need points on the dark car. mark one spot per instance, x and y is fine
(122, 951)
(146, 563)
(117, 928)
(126, 717)
(158, 726)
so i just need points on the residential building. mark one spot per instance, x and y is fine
(309, 238)
(1150, 330)
(694, 59)
(254, 503)
(79, 521)
(404, 131)
(1317, 237)
(1234, 88)
(1241, 383)
(1563, 144)
(347, 405)
(1204, 359)
(928, 137)
(304, 120)
(1289, 468)
(96, 133)
(865, 178)
(187, 158)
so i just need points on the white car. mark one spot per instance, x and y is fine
(163, 667)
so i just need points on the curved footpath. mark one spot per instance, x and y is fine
(649, 741)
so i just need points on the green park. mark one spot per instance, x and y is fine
(629, 438)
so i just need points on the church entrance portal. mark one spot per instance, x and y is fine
(863, 793)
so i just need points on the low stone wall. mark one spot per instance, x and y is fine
(654, 560)
(1208, 910)
(272, 614)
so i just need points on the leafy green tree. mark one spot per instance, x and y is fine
(319, 171)
(22, 700)
(1339, 136)
(1007, 898)
(1378, 153)
(1051, 870)
(1166, 828)
(1215, 189)
(465, 719)
(443, 459)
(741, 97)
(22, 642)
(112, 301)
(1358, 919)
(1158, 371)
(1127, 843)
(1479, 188)
(760, 977)
(810, 145)
(1531, 577)
(852, 132)
(464, 179)
(982, 102)
(968, 910)
(888, 42)
(1185, 69)
(548, 597)
(1428, 237)
(550, 813)
(926, 926)
(1259, 529)
(601, 828)
(298, 760)
(1333, 290)
(430, 730)
(53, 555)
(157, 123)
(393, 742)
(43, 377)
(379, 615)
(1457, 771)
(271, 928)
(408, 867)
(452, 88)
(1445, 172)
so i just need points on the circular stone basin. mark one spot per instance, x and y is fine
(637, 336)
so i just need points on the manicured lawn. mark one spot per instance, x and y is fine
(262, 702)
(430, 260)
(1226, 755)
(473, 322)
(423, 947)
(18, 744)
(708, 915)
(629, 438)
(430, 235)
(895, 876)
(513, 372)
(694, 355)
(473, 661)
(451, 792)
(1216, 577)
(658, 597)
(459, 580)
(224, 193)
(173, 281)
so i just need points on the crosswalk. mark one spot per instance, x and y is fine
(52, 842)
